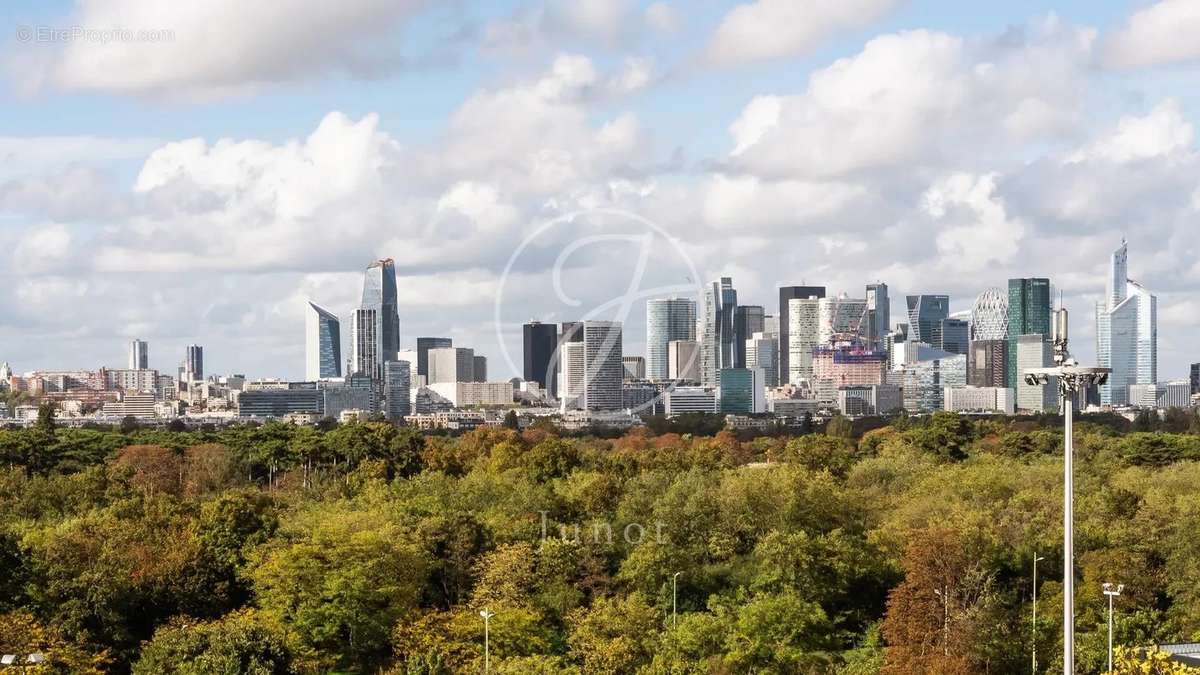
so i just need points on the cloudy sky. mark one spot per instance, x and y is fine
(192, 172)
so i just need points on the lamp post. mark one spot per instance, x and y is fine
(674, 599)
(1112, 591)
(487, 615)
(1036, 559)
(1071, 378)
(945, 619)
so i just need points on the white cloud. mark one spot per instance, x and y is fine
(771, 29)
(42, 249)
(917, 97)
(554, 24)
(1164, 32)
(1163, 131)
(663, 18)
(974, 230)
(211, 48)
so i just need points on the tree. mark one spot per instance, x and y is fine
(22, 634)
(614, 636)
(151, 468)
(511, 421)
(237, 643)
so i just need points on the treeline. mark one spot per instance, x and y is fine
(371, 548)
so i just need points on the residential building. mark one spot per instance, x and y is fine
(140, 406)
(1029, 313)
(322, 344)
(667, 320)
(130, 379)
(469, 394)
(1126, 332)
(683, 360)
(1161, 396)
(786, 295)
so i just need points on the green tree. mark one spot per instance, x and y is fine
(236, 644)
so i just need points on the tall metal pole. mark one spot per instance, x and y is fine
(1068, 539)
(674, 600)
(1036, 559)
(487, 654)
(1110, 601)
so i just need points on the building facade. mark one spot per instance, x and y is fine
(1029, 312)
(1126, 332)
(375, 324)
(322, 343)
(786, 295)
(747, 320)
(803, 337)
(424, 344)
(987, 363)
(683, 360)
(840, 319)
(139, 355)
(667, 320)
(397, 389)
(604, 371)
(742, 390)
(451, 364)
(1035, 351)
(925, 315)
(539, 343)
(879, 314)
(762, 351)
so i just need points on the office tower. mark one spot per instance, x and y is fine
(840, 319)
(573, 372)
(924, 380)
(397, 387)
(771, 325)
(667, 319)
(879, 313)
(1035, 351)
(987, 363)
(954, 336)
(604, 372)
(479, 371)
(322, 344)
(728, 308)
(989, 316)
(708, 332)
(193, 364)
(375, 325)
(742, 391)
(803, 337)
(762, 352)
(635, 367)
(1126, 332)
(540, 348)
(139, 355)
(786, 295)
(424, 344)
(925, 314)
(683, 360)
(747, 320)
(1195, 378)
(451, 364)
(1029, 304)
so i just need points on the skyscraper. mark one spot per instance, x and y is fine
(397, 385)
(139, 355)
(787, 294)
(803, 337)
(451, 364)
(987, 363)
(1126, 332)
(925, 314)
(840, 319)
(375, 325)
(683, 360)
(989, 316)
(714, 328)
(667, 319)
(193, 363)
(603, 369)
(322, 344)
(954, 336)
(1035, 351)
(1029, 304)
(742, 391)
(879, 313)
(1195, 378)
(747, 320)
(424, 344)
(479, 371)
(762, 352)
(540, 342)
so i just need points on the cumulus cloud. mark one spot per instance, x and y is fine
(1161, 33)
(877, 108)
(212, 48)
(771, 29)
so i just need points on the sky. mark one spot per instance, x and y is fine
(196, 172)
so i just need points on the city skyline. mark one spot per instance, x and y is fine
(209, 210)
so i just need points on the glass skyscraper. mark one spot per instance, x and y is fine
(1029, 305)
(925, 314)
(397, 384)
(322, 344)
(879, 313)
(375, 325)
(540, 346)
(786, 295)
(1126, 332)
(747, 320)
(667, 320)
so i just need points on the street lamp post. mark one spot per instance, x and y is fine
(674, 599)
(945, 619)
(487, 615)
(1112, 591)
(1071, 378)
(1036, 560)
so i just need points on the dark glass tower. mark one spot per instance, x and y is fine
(540, 342)
(747, 320)
(376, 323)
(1029, 305)
(925, 315)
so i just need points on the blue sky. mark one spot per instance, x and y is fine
(425, 131)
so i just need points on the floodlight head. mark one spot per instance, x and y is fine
(1102, 380)
(36, 657)
(1107, 586)
(1031, 380)
(487, 614)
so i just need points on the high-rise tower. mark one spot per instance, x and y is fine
(1029, 305)
(1126, 332)
(139, 355)
(375, 325)
(667, 320)
(322, 344)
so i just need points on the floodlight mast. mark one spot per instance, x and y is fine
(1071, 380)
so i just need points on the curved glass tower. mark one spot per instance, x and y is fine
(322, 344)
(667, 320)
